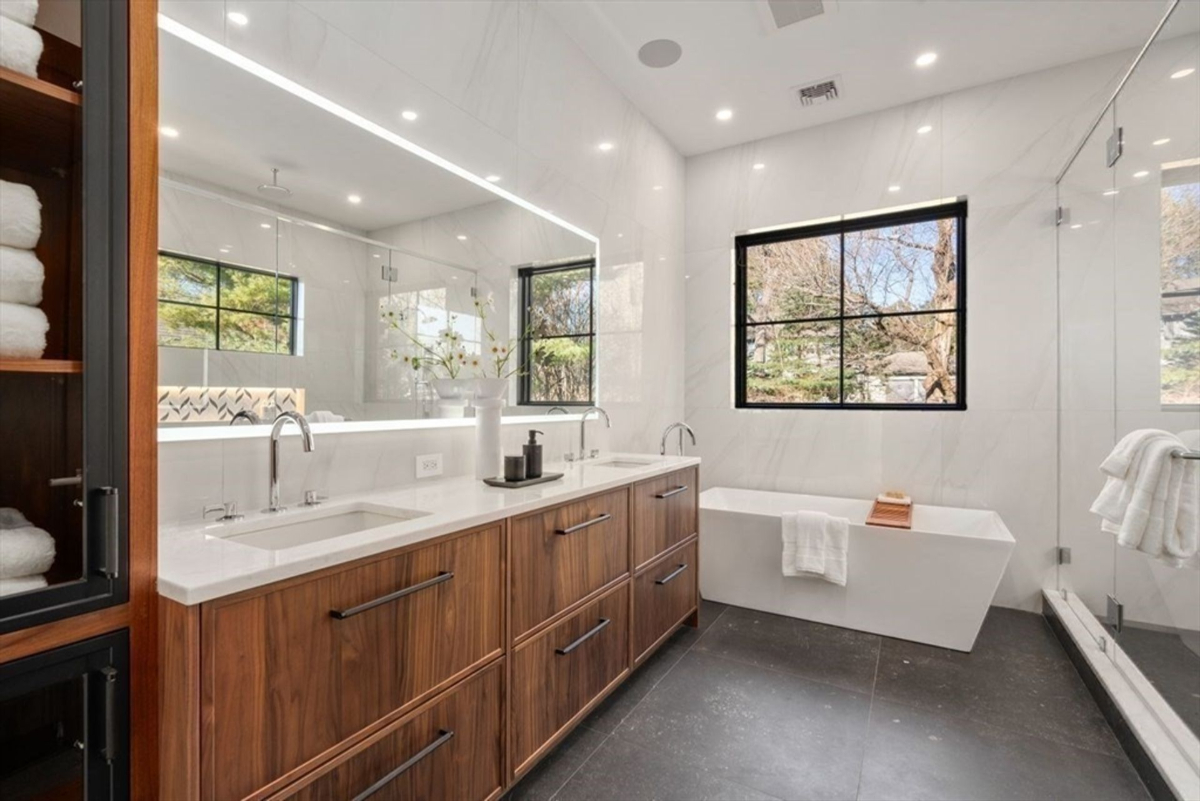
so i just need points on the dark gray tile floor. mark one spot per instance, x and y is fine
(1170, 665)
(755, 706)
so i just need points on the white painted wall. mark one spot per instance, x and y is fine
(511, 95)
(1001, 146)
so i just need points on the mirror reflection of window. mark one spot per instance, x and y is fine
(1180, 281)
(557, 334)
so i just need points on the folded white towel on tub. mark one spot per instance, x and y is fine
(26, 551)
(20, 216)
(20, 47)
(12, 586)
(21, 276)
(816, 544)
(23, 11)
(22, 331)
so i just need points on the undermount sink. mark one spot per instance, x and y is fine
(624, 464)
(286, 531)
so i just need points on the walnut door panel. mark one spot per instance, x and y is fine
(292, 672)
(562, 555)
(450, 750)
(663, 513)
(561, 670)
(662, 596)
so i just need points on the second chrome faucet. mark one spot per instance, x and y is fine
(309, 443)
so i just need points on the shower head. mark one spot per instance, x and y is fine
(273, 189)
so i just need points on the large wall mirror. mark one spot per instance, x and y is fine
(315, 261)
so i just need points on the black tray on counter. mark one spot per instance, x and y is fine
(528, 482)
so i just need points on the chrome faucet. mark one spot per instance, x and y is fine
(306, 438)
(583, 451)
(559, 409)
(683, 427)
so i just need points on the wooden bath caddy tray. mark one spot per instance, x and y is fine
(891, 515)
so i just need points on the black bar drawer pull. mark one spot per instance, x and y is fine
(110, 713)
(394, 596)
(108, 513)
(671, 576)
(442, 738)
(589, 635)
(584, 524)
(670, 492)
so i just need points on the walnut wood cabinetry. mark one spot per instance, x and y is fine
(441, 670)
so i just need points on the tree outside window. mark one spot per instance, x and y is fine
(1180, 281)
(557, 346)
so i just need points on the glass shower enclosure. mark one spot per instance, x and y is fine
(1128, 225)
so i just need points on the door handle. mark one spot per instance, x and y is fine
(342, 614)
(671, 576)
(587, 636)
(669, 493)
(581, 526)
(443, 737)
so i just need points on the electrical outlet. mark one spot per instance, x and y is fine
(429, 465)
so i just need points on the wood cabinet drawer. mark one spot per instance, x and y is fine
(561, 555)
(663, 513)
(289, 673)
(451, 750)
(662, 595)
(561, 670)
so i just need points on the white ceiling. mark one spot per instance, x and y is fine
(234, 127)
(732, 58)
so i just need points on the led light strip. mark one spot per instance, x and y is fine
(251, 66)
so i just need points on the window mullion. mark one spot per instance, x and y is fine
(842, 319)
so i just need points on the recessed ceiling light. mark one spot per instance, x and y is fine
(493, 179)
(1111, 192)
(657, 188)
(1076, 226)
(1141, 173)
(169, 132)
(376, 256)
(1183, 73)
(237, 18)
(924, 129)
(411, 116)
(894, 188)
(223, 250)
(620, 236)
(1161, 141)
(760, 166)
(355, 199)
(264, 225)
(925, 59)
(461, 237)
(606, 146)
(659, 53)
(725, 114)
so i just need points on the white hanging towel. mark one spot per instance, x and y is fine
(20, 47)
(20, 216)
(815, 544)
(1150, 497)
(23, 11)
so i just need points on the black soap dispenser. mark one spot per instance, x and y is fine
(533, 455)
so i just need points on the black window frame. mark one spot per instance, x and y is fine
(956, 210)
(525, 276)
(292, 315)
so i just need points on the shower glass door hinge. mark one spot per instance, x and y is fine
(388, 273)
(1062, 216)
(1064, 555)
(1116, 614)
(1116, 146)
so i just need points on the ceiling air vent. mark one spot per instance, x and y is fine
(789, 12)
(813, 94)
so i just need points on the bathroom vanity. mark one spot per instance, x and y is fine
(441, 643)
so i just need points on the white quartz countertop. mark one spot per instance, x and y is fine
(200, 561)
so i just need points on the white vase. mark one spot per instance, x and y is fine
(453, 395)
(489, 457)
(491, 388)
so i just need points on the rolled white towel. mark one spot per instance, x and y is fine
(12, 518)
(22, 331)
(324, 416)
(20, 216)
(23, 11)
(21, 276)
(20, 47)
(12, 586)
(27, 551)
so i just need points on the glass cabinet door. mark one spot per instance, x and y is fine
(63, 372)
(65, 715)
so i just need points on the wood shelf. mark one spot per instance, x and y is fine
(40, 121)
(56, 366)
(50, 93)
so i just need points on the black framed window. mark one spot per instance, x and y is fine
(558, 334)
(867, 312)
(1180, 282)
(209, 304)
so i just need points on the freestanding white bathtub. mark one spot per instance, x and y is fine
(932, 584)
